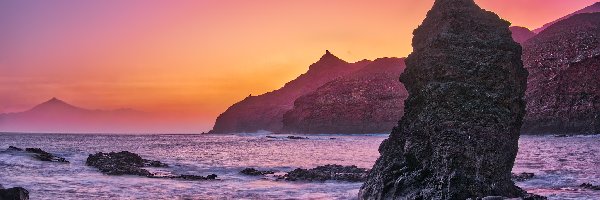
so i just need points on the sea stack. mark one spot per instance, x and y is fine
(458, 138)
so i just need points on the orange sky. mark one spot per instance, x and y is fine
(191, 59)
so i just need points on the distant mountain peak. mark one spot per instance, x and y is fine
(54, 104)
(328, 60)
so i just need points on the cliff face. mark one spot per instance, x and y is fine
(563, 94)
(521, 34)
(265, 112)
(370, 100)
(458, 136)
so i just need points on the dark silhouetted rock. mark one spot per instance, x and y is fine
(122, 163)
(194, 177)
(255, 172)
(563, 93)
(38, 154)
(16, 193)
(522, 176)
(458, 138)
(265, 112)
(370, 100)
(328, 172)
(45, 156)
(291, 137)
(521, 34)
(589, 186)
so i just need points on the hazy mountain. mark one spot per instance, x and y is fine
(56, 115)
(590, 9)
(265, 112)
(370, 100)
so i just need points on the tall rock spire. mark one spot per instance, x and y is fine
(458, 138)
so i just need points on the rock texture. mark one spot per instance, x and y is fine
(521, 34)
(370, 100)
(328, 172)
(265, 112)
(590, 9)
(122, 163)
(563, 94)
(16, 193)
(458, 138)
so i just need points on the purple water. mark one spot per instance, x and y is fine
(560, 165)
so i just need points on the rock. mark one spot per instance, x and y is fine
(328, 172)
(370, 100)
(590, 186)
(16, 193)
(561, 135)
(590, 9)
(521, 34)
(127, 163)
(265, 112)
(39, 154)
(458, 138)
(268, 136)
(45, 156)
(122, 163)
(12, 148)
(563, 93)
(296, 137)
(522, 176)
(194, 177)
(255, 172)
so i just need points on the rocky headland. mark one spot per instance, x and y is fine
(458, 138)
(265, 112)
(370, 100)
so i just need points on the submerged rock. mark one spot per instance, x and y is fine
(16, 193)
(590, 186)
(296, 137)
(39, 154)
(522, 176)
(328, 172)
(255, 172)
(458, 138)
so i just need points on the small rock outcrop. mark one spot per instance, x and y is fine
(521, 34)
(458, 138)
(265, 112)
(563, 92)
(370, 100)
(39, 154)
(122, 163)
(127, 163)
(255, 172)
(328, 172)
(16, 193)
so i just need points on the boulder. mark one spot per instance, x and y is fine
(122, 163)
(16, 193)
(458, 138)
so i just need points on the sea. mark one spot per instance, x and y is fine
(560, 165)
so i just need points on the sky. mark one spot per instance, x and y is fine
(189, 60)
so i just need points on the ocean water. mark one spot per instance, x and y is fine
(560, 165)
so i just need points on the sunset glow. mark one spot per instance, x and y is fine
(187, 61)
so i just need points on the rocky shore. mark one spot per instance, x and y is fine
(327, 172)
